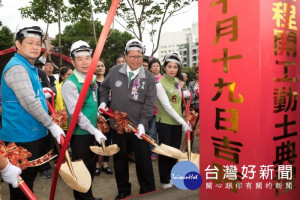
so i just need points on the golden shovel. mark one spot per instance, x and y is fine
(169, 151)
(75, 174)
(134, 129)
(150, 140)
(157, 149)
(172, 152)
(193, 157)
(105, 151)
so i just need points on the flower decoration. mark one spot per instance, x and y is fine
(177, 85)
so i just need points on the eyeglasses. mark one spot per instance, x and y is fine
(135, 57)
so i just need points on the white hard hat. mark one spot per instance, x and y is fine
(173, 57)
(135, 44)
(80, 46)
(28, 28)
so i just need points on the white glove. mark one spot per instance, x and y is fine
(141, 131)
(46, 92)
(186, 94)
(103, 106)
(98, 135)
(10, 174)
(186, 127)
(56, 131)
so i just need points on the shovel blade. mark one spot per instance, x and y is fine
(176, 153)
(158, 150)
(82, 182)
(109, 150)
(169, 151)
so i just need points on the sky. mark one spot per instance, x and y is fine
(10, 17)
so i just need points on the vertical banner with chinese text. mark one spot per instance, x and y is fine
(249, 77)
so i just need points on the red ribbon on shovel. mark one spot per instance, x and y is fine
(82, 95)
(132, 127)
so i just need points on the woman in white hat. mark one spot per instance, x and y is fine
(170, 123)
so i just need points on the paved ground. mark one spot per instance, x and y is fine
(104, 186)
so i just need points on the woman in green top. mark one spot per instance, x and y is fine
(169, 117)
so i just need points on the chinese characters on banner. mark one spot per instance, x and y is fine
(285, 91)
(249, 84)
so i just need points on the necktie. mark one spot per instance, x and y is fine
(130, 75)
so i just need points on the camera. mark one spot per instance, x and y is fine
(56, 49)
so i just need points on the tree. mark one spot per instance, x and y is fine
(52, 11)
(83, 30)
(78, 10)
(48, 11)
(45, 10)
(190, 71)
(138, 16)
(6, 37)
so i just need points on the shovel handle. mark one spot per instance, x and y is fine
(62, 140)
(145, 137)
(149, 139)
(52, 97)
(103, 144)
(25, 189)
(188, 135)
(51, 109)
(133, 128)
(188, 138)
(111, 115)
(67, 156)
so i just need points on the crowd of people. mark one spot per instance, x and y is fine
(149, 92)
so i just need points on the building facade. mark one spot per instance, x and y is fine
(184, 42)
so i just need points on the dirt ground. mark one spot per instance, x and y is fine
(104, 186)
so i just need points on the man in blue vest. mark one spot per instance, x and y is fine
(25, 118)
(85, 133)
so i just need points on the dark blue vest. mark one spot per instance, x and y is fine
(17, 124)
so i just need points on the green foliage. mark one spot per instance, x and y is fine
(77, 10)
(45, 10)
(190, 71)
(83, 30)
(140, 16)
(6, 37)
(115, 44)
